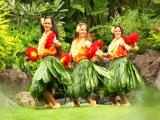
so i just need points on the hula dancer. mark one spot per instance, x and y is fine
(51, 72)
(124, 75)
(87, 76)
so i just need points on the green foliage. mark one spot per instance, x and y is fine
(102, 32)
(29, 67)
(153, 41)
(65, 46)
(91, 11)
(28, 37)
(78, 7)
(32, 11)
(156, 1)
(130, 21)
(7, 42)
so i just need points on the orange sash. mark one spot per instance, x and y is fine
(81, 55)
(120, 53)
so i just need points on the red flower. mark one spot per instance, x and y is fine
(131, 39)
(65, 58)
(49, 40)
(94, 47)
(98, 43)
(32, 54)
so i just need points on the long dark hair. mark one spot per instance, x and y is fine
(76, 35)
(122, 31)
(53, 28)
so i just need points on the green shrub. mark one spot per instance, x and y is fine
(7, 42)
(153, 41)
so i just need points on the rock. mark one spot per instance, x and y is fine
(148, 66)
(13, 81)
(25, 99)
(6, 102)
(14, 77)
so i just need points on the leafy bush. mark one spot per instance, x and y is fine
(153, 41)
(31, 11)
(102, 32)
(7, 42)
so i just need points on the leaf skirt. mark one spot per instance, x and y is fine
(87, 77)
(124, 76)
(50, 74)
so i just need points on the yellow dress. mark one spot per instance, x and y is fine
(116, 50)
(79, 49)
(124, 75)
(42, 51)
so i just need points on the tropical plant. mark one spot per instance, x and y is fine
(30, 12)
(7, 42)
(102, 32)
(153, 41)
(93, 12)
(27, 37)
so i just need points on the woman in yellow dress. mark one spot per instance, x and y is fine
(87, 76)
(124, 75)
(51, 73)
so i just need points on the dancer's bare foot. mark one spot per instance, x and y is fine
(91, 101)
(117, 104)
(127, 104)
(50, 105)
(76, 103)
(57, 105)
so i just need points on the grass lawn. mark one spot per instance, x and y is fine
(145, 106)
(85, 112)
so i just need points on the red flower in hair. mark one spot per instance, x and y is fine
(131, 39)
(32, 54)
(49, 40)
(65, 58)
(94, 47)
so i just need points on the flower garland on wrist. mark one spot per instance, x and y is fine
(94, 47)
(65, 58)
(132, 38)
(32, 54)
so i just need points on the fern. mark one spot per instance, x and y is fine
(153, 41)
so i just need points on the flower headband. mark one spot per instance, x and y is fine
(42, 21)
(112, 29)
(78, 28)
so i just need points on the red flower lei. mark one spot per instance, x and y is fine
(49, 40)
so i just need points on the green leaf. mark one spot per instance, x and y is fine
(156, 1)
(78, 7)
(41, 71)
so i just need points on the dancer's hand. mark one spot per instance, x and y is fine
(105, 54)
(134, 47)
